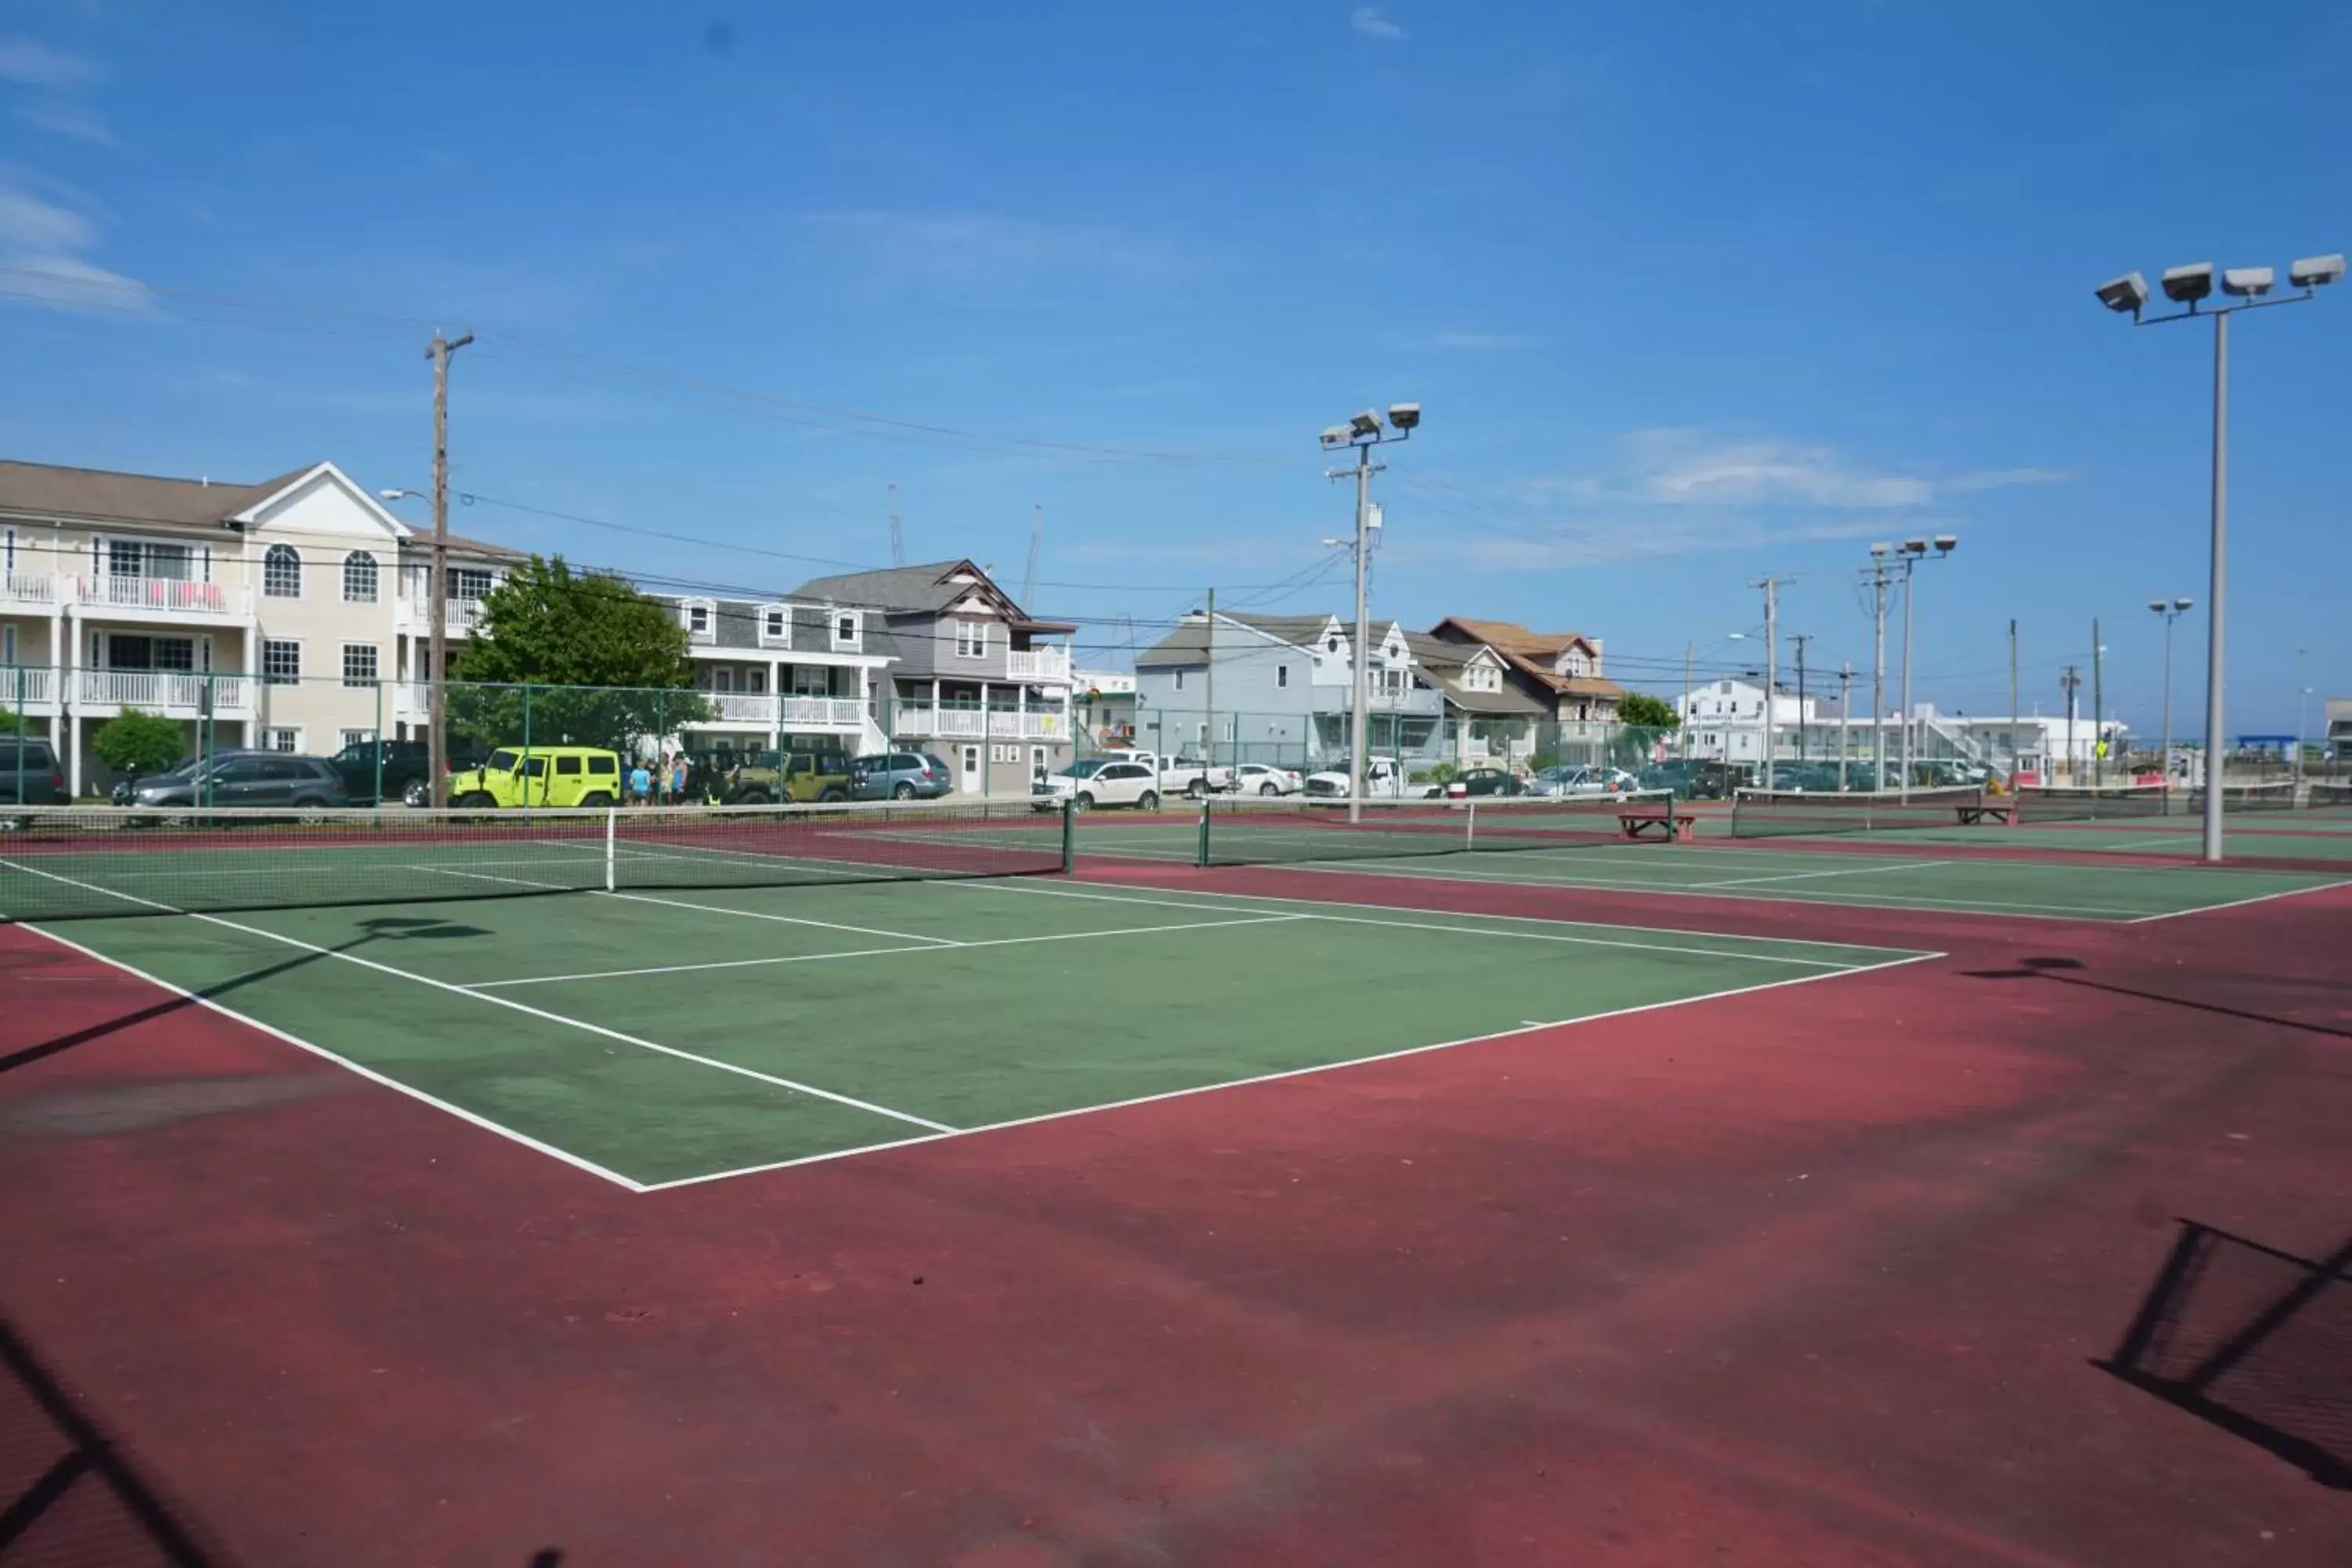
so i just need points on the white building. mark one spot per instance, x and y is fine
(1726, 720)
(295, 608)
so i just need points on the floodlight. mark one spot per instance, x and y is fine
(393, 495)
(1337, 436)
(1946, 542)
(2182, 604)
(1882, 549)
(2128, 292)
(1914, 547)
(2186, 285)
(2248, 283)
(1368, 423)
(1404, 415)
(2158, 606)
(2313, 271)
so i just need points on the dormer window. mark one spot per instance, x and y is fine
(776, 624)
(845, 628)
(697, 617)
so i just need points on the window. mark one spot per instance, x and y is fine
(1281, 675)
(1180, 680)
(723, 680)
(281, 739)
(844, 630)
(604, 762)
(755, 680)
(697, 618)
(9, 551)
(776, 625)
(359, 578)
(971, 639)
(7, 651)
(567, 764)
(1332, 645)
(281, 664)
(811, 680)
(281, 574)
(358, 738)
(469, 583)
(358, 664)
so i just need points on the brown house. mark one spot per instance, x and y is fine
(1560, 669)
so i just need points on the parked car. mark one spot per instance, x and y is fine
(1383, 779)
(462, 757)
(1091, 782)
(29, 775)
(767, 778)
(1483, 781)
(403, 762)
(1190, 776)
(1263, 778)
(547, 776)
(900, 775)
(1690, 779)
(240, 778)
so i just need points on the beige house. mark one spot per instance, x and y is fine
(291, 612)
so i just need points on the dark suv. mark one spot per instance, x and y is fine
(405, 763)
(29, 775)
(240, 778)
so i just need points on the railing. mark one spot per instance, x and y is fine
(1029, 726)
(174, 594)
(412, 700)
(28, 588)
(827, 712)
(1046, 664)
(27, 684)
(740, 707)
(462, 618)
(174, 693)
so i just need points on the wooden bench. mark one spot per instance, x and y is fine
(1655, 825)
(2004, 812)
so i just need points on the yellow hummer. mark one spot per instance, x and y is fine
(544, 776)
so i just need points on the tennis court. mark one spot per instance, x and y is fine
(664, 1037)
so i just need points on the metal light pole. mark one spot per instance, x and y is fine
(1912, 551)
(2189, 287)
(2171, 610)
(1364, 432)
(2302, 706)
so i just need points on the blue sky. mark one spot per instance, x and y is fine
(1690, 294)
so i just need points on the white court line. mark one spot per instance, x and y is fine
(2241, 903)
(1890, 865)
(1471, 931)
(1286, 1073)
(783, 920)
(939, 945)
(458, 990)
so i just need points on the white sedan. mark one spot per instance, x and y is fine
(1260, 778)
(1091, 782)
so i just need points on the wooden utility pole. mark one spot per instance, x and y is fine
(437, 594)
(2012, 702)
(1805, 753)
(898, 535)
(2098, 708)
(1845, 715)
(1209, 700)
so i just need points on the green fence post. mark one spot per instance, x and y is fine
(20, 734)
(526, 748)
(375, 742)
(1070, 835)
(1201, 858)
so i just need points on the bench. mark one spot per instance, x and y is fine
(1654, 825)
(2004, 812)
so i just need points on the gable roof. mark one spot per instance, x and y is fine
(48, 489)
(1442, 665)
(920, 590)
(1532, 654)
(1189, 642)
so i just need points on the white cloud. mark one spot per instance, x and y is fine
(61, 117)
(30, 64)
(1594, 542)
(44, 231)
(1684, 467)
(1368, 20)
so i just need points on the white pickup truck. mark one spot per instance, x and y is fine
(1190, 776)
(1383, 780)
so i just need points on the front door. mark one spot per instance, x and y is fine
(971, 785)
(1036, 766)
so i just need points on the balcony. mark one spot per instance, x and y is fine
(824, 712)
(37, 591)
(1047, 665)
(413, 615)
(175, 694)
(972, 724)
(26, 687)
(766, 710)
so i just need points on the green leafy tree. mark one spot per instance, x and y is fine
(1639, 708)
(577, 658)
(136, 743)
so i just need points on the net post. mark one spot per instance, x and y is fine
(1070, 835)
(1201, 856)
(1470, 825)
(612, 825)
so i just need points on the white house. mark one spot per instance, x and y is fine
(1726, 721)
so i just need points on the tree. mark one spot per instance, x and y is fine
(135, 743)
(566, 657)
(1639, 708)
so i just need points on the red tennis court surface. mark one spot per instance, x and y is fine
(1886, 1270)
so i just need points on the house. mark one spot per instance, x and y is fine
(1491, 717)
(1282, 689)
(1723, 720)
(781, 671)
(1561, 669)
(976, 678)
(1106, 707)
(292, 613)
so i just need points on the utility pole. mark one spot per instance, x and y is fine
(1771, 586)
(2013, 703)
(1800, 639)
(2098, 708)
(2070, 683)
(1209, 730)
(1845, 716)
(1363, 432)
(437, 593)
(898, 536)
(1689, 650)
(1880, 574)
(2302, 695)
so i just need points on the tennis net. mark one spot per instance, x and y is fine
(2087, 803)
(2329, 793)
(2271, 794)
(1266, 831)
(1785, 814)
(64, 862)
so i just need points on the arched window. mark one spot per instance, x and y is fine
(359, 578)
(281, 572)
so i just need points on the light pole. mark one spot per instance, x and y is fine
(2302, 710)
(2171, 610)
(1911, 552)
(2189, 287)
(1364, 432)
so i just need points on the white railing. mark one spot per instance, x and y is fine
(1032, 726)
(742, 707)
(1046, 664)
(28, 588)
(825, 712)
(35, 687)
(413, 615)
(412, 700)
(174, 693)
(173, 594)
(956, 723)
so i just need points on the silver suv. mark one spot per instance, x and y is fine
(899, 775)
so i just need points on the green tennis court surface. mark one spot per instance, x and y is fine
(663, 1037)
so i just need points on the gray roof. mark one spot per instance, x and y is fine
(44, 489)
(1189, 642)
(914, 590)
